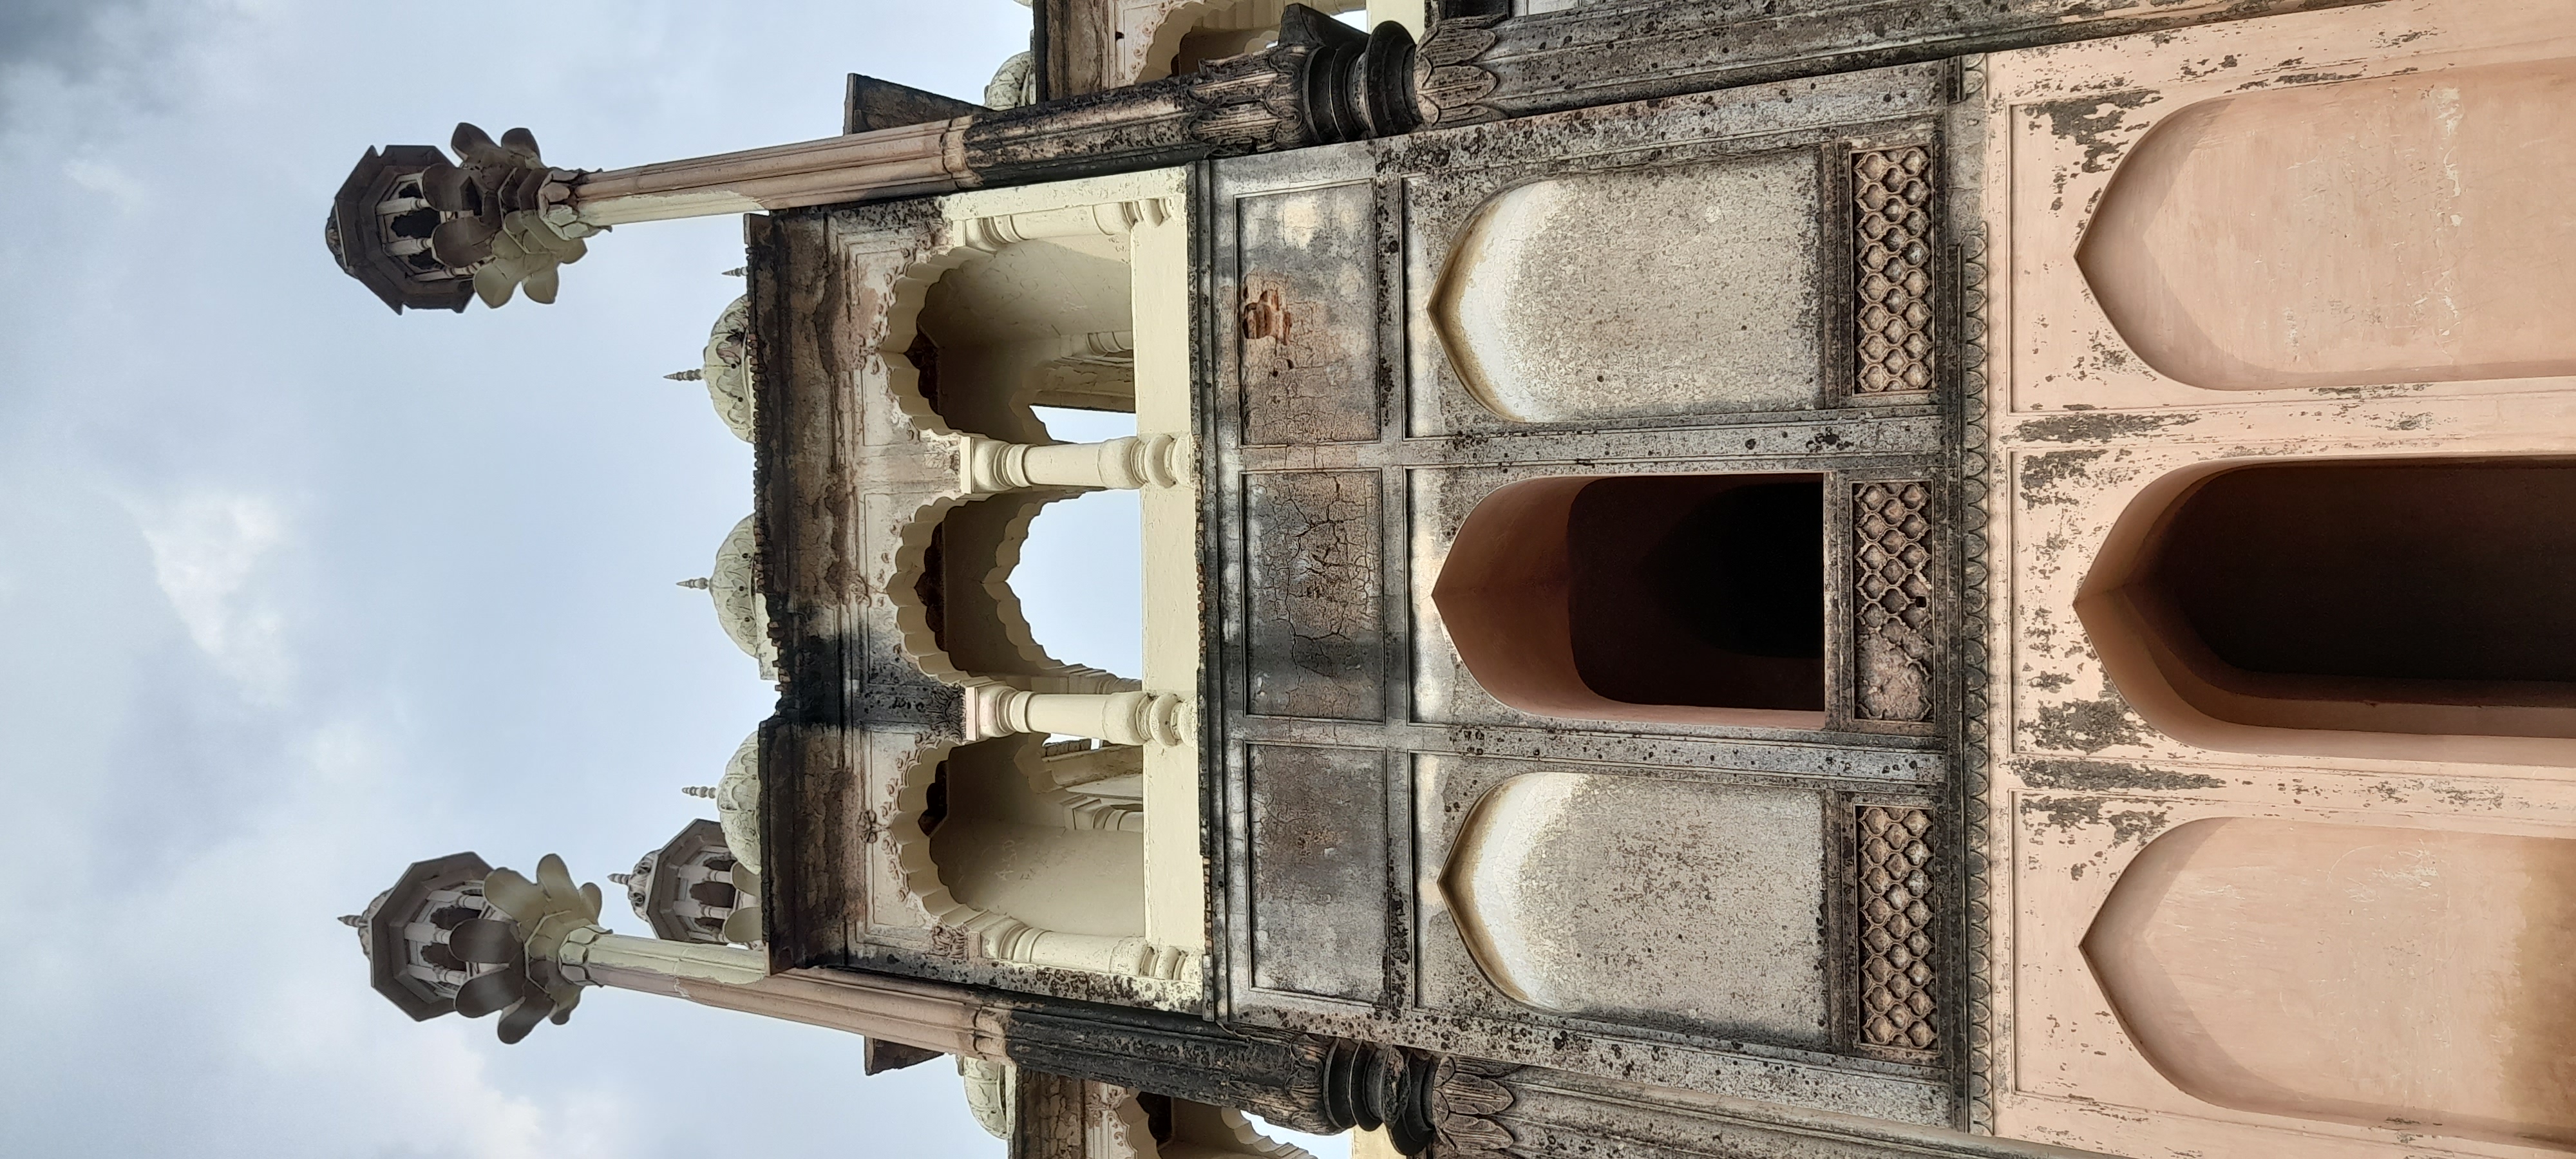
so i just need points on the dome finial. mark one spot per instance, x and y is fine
(706, 791)
(702, 583)
(686, 375)
(352, 921)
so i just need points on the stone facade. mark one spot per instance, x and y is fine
(1875, 580)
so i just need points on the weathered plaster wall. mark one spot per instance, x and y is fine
(2299, 238)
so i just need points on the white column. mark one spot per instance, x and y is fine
(991, 466)
(1158, 718)
(929, 1015)
(1175, 874)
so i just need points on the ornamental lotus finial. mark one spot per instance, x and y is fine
(423, 231)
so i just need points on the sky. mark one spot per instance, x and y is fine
(296, 591)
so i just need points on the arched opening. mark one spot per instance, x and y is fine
(1686, 599)
(1008, 845)
(1044, 322)
(1080, 578)
(1006, 585)
(970, 621)
(2392, 607)
(1037, 850)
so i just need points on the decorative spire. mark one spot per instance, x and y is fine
(702, 583)
(706, 791)
(686, 375)
(352, 921)
(622, 878)
(735, 272)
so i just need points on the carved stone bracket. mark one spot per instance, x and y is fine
(1449, 87)
(1426, 1103)
(1323, 82)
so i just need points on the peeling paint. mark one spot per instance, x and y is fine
(2096, 426)
(2087, 725)
(2108, 775)
(2041, 474)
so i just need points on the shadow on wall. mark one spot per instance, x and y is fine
(2421, 608)
(1686, 599)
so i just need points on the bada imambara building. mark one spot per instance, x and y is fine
(1795, 580)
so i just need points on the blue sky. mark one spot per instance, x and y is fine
(296, 591)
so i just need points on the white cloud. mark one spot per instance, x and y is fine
(207, 551)
(121, 188)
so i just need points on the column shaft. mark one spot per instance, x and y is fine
(988, 466)
(887, 163)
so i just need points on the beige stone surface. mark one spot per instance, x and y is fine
(2249, 957)
(1596, 895)
(2360, 233)
(1682, 290)
(2278, 279)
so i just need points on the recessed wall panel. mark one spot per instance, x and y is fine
(1672, 291)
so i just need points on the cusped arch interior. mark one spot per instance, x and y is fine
(2363, 232)
(1687, 599)
(1040, 857)
(2379, 976)
(989, 328)
(954, 605)
(2410, 608)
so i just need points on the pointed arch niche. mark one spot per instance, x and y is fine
(2409, 608)
(2363, 974)
(1682, 599)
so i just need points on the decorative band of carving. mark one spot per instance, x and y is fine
(1892, 601)
(1898, 1007)
(1892, 234)
(1448, 85)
